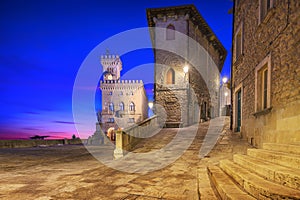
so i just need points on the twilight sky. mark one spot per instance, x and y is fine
(44, 43)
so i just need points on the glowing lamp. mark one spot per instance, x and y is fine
(150, 104)
(186, 69)
(225, 79)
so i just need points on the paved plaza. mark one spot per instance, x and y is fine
(71, 172)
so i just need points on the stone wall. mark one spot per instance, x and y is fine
(125, 91)
(35, 143)
(277, 36)
(172, 97)
(198, 48)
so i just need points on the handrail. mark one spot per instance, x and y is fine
(140, 123)
(127, 138)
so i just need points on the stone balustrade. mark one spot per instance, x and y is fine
(128, 138)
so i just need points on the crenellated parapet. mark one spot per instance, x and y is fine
(121, 85)
(110, 60)
(112, 66)
(121, 82)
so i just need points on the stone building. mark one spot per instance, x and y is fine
(181, 37)
(124, 102)
(266, 70)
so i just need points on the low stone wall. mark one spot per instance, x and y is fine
(35, 143)
(281, 125)
(128, 138)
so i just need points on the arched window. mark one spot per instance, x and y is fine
(121, 105)
(170, 76)
(111, 107)
(170, 32)
(131, 106)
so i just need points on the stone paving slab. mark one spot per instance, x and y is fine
(71, 172)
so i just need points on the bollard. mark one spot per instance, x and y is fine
(119, 152)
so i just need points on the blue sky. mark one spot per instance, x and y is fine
(43, 44)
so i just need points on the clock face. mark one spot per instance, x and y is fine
(109, 77)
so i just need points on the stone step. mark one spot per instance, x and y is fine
(277, 173)
(204, 188)
(288, 148)
(296, 143)
(284, 159)
(225, 186)
(256, 185)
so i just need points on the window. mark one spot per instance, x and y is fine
(170, 32)
(170, 76)
(131, 120)
(238, 42)
(264, 7)
(264, 88)
(111, 120)
(262, 84)
(121, 105)
(131, 107)
(111, 107)
(110, 93)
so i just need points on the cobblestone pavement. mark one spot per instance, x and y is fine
(71, 172)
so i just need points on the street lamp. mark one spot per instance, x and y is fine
(224, 79)
(151, 112)
(150, 104)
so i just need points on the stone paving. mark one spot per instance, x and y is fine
(71, 172)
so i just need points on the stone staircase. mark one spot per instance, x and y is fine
(272, 172)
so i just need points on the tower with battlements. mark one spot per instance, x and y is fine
(124, 102)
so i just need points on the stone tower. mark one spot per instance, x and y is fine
(182, 38)
(112, 66)
(124, 102)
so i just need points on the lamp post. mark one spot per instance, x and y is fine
(186, 70)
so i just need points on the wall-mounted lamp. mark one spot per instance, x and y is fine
(186, 69)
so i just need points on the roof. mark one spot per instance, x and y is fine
(195, 17)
